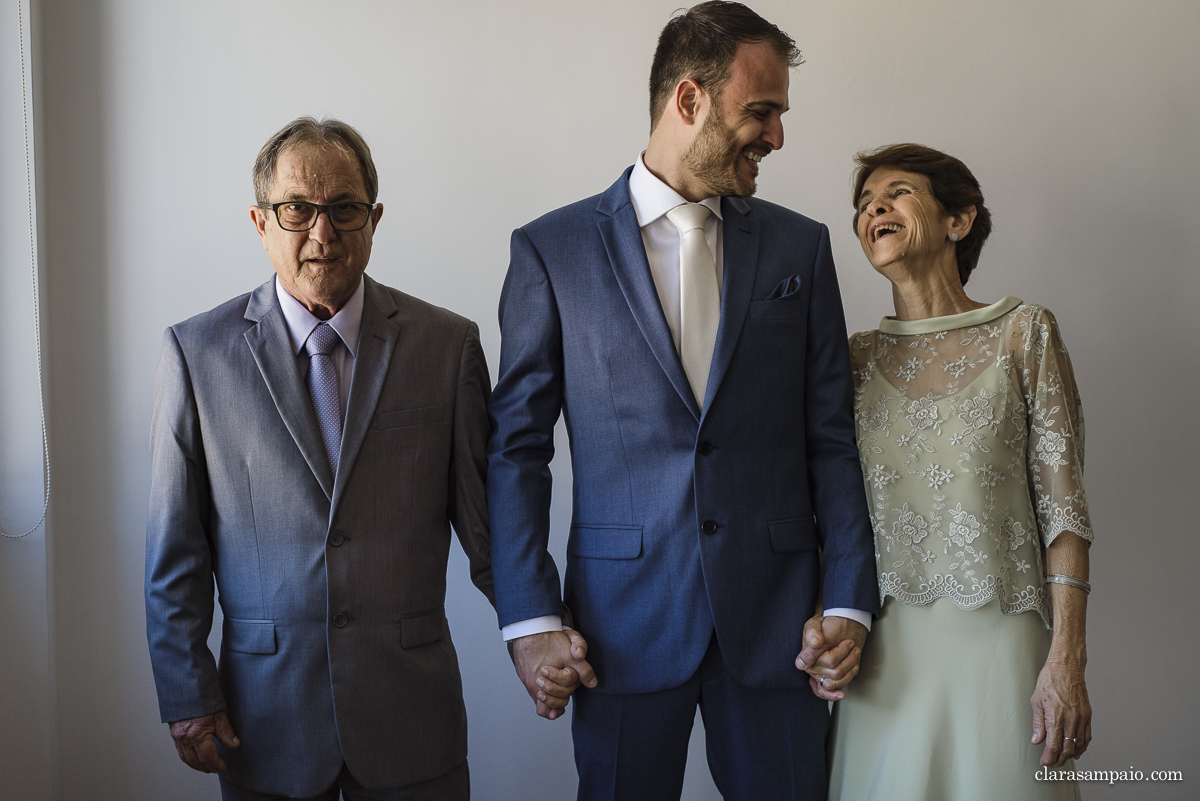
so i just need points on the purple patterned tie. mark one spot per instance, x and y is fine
(323, 388)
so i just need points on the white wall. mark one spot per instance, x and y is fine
(25, 700)
(1081, 120)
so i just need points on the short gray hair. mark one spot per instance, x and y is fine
(326, 133)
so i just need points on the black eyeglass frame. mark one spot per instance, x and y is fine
(322, 208)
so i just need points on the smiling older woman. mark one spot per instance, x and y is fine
(970, 433)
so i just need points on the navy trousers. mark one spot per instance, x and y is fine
(762, 745)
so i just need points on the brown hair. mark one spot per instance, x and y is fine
(954, 188)
(701, 44)
(326, 133)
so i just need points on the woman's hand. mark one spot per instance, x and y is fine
(1062, 713)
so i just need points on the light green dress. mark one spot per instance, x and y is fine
(970, 434)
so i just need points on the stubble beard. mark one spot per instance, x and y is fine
(713, 159)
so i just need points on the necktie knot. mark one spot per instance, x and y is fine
(688, 217)
(322, 340)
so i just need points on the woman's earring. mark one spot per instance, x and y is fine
(953, 237)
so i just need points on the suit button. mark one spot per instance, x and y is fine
(705, 448)
(709, 527)
(340, 620)
(336, 539)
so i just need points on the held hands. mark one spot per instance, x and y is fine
(194, 741)
(1062, 713)
(832, 649)
(551, 666)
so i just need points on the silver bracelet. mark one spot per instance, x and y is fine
(1079, 584)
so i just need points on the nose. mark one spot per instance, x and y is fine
(773, 132)
(322, 230)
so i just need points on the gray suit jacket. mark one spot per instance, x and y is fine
(335, 644)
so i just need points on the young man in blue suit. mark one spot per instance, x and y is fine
(694, 340)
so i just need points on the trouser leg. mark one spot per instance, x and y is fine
(454, 785)
(762, 744)
(633, 747)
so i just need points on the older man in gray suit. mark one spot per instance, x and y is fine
(313, 441)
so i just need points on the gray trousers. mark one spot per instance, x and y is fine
(454, 785)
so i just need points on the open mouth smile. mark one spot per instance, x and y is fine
(880, 230)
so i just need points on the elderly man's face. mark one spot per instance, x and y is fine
(320, 267)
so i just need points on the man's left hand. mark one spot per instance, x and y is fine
(832, 650)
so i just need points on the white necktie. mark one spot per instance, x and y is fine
(699, 298)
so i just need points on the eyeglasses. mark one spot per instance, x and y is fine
(296, 215)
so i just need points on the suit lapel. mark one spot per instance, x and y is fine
(376, 342)
(741, 264)
(272, 348)
(627, 253)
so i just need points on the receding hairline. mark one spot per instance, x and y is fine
(324, 134)
(332, 146)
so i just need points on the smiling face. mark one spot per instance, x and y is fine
(743, 125)
(899, 220)
(320, 267)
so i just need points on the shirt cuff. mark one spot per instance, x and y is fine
(534, 625)
(856, 615)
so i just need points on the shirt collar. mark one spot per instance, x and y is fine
(301, 322)
(652, 198)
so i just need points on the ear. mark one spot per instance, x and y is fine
(690, 101)
(375, 215)
(961, 222)
(259, 218)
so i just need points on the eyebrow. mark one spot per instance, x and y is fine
(303, 197)
(771, 104)
(897, 182)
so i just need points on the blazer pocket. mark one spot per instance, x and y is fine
(250, 636)
(408, 417)
(794, 534)
(788, 286)
(422, 629)
(788, 307)
(605, 542)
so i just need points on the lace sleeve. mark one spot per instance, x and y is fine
(1054, 458)
(861, 352)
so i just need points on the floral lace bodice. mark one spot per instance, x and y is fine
(970, 433)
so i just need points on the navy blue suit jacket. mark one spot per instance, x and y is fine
(683, 522)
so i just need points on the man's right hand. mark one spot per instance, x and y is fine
(194, 741)
(832, 650)
(551, 665)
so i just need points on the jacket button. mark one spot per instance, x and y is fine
(340, 620)
(705, 448)
(336, 539)
(709, 527)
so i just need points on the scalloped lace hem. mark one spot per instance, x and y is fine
(1067, 520)
(1012, 601)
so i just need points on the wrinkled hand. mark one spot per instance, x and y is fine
(194, 741)
(1062, 713)
(551, 665)
(832, 649)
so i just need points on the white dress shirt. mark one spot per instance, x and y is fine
(347, 322)
(652, 199)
